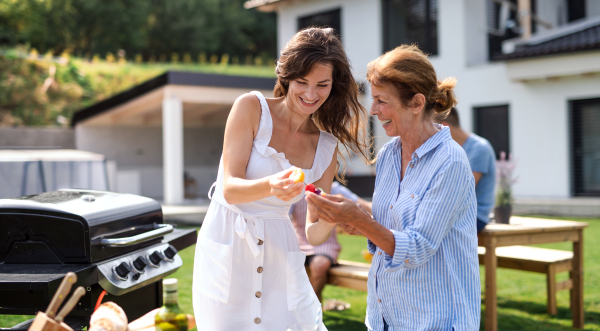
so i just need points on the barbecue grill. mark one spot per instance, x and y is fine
(113, 242)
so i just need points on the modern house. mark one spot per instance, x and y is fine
(164, 138)
(528, 77)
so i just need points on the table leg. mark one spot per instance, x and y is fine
(577, 292)
(491, 315)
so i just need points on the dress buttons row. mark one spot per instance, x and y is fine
(257, 320)
(258, 294)
(259, 270)
(260, 242)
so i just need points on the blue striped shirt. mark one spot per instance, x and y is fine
(432, 281)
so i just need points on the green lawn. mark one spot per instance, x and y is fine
(521, 295)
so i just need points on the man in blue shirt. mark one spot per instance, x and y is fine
(483, 164)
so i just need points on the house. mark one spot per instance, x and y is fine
(164, 137)
(528, 76)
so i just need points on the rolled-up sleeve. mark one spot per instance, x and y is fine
(437, 212)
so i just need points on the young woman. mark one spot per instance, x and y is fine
(249, 271)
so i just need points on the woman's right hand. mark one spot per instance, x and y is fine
(283, 187)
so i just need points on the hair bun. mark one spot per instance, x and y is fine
(445, 97)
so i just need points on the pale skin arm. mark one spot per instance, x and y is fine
(335, 208)
(237, 146)
(318, 232)
(477, 176)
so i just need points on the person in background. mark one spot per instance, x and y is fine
(320, 258)
(483, 164)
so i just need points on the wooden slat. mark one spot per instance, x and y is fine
(537, 238)
(564, 285)
(526, 253)
(355, 284)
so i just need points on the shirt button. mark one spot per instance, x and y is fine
(379, 300)
(257, 320)
(258, 294)
(411, 165)
(260, 242)
(259, 270)
(379, 253)
(406, 261)
(412, 195)
(391, 207)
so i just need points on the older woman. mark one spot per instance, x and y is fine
(425, 274)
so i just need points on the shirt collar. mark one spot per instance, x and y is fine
(440, 137)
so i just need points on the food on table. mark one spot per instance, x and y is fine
(108, 317)
(297, 175)
(146, 322)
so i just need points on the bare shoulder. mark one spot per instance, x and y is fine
(246, 109)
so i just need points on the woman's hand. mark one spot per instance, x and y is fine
(283, 187)
(333, 208)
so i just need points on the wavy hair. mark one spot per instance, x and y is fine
(341, 114)
(409, 71)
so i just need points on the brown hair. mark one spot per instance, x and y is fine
(341, 114)
(451, 118)
(409, 71)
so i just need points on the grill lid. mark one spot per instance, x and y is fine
(77, 226)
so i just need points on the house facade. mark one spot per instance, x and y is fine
(528, 74)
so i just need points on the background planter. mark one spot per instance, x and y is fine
(502, 214)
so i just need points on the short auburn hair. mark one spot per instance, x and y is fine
(409, 71)
(341, 114)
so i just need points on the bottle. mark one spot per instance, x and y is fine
(169, 316)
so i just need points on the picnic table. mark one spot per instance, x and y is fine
(530, 231)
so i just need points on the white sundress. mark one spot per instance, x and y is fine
(248, 270)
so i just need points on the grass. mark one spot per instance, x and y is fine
(521, 295)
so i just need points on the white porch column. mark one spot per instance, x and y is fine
(172, 126)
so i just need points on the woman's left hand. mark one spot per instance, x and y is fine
(333, 208)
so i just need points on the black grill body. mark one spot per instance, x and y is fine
(98, 235)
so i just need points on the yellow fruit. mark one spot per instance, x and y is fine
(297, 175)
(367, 255)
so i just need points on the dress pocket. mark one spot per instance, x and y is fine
(299, 290)
(212, 270)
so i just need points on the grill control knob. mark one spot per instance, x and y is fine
(169, 253)
(139, 264)
(122, 270)
(155, 258)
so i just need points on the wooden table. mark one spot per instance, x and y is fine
(529, 231)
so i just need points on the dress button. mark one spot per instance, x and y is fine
(406, 261)
(379, 300)
(379, 253)
(257, 320)
(260, 242)
(259, 269)
(412, 195)
(258, 294)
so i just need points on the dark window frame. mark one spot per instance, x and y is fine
(575, 167)
(428, 29)
(335, 11)
(477, 129)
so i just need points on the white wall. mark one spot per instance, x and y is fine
(138, 150)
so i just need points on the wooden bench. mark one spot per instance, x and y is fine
(349, 274)
(541, 260)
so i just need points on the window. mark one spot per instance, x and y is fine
(410, 22)
(502, 24)
(331, 19)
(575, 9)
(585, 147)
(491, 123)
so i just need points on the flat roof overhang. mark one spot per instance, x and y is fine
(206, 99)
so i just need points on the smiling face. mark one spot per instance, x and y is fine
(308, 93)
(392, 114)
